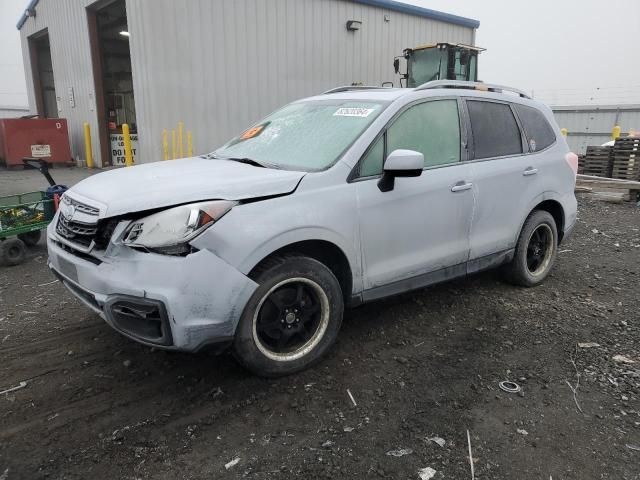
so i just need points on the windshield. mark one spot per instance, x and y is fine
(306, 136)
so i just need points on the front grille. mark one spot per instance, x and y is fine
(81, 207)
(78, 223)
(76, 232)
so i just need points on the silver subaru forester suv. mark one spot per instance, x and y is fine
(331, 201)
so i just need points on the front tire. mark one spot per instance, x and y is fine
(536, 250)
(292, 318)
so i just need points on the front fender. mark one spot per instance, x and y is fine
(251, 232)
(301, 234)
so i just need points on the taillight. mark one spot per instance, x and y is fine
(572, 160)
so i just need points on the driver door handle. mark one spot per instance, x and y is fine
(461, 186)
(530, 171)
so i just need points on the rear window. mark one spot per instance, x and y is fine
(536, 128)
(495, 131)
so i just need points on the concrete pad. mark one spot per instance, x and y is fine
(17, 181)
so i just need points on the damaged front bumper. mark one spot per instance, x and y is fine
(179, 303)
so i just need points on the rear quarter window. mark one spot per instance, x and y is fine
(536, 128)
(494, 128)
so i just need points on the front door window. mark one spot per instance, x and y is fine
(431, 128)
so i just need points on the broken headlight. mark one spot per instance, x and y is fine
(170, 231)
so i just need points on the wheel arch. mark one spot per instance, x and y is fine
(324, 251)
(548, 203)
(557, 212)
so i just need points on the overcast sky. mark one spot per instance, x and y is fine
(12, 85)
(566, 52)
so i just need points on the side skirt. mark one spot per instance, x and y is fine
(414, 283)
(490, 261)
(431, 278)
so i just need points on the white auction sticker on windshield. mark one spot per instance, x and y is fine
(353, 112)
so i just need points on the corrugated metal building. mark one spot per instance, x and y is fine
(10, 111)
(216, 65)
(593, 124)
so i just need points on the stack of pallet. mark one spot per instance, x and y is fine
(597, 162)
(625, 159)
(608, 189)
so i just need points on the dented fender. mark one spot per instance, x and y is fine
(252, 231)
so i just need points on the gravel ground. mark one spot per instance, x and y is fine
(423, 369)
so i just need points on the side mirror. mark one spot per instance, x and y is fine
(396, 65)
(400, 163)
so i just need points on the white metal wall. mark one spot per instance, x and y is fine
(220, 65)
(592, 125)
(66, 21)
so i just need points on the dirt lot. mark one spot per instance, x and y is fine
(421, 365)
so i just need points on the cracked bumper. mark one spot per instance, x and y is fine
(200, 296)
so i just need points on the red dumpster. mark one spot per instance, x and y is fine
(45, 138)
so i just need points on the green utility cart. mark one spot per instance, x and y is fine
(24, 216)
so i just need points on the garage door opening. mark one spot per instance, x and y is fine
(114, 80)
(42, 70)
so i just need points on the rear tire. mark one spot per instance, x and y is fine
(30, 239)
(536, 250)
(292, 318)
(12, 251)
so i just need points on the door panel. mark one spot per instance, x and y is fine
(502, 191)
(420, 226)
(505, 180)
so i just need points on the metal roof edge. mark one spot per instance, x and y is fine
(388, 4)
(421, 12)
(23, 18)
(594, 107)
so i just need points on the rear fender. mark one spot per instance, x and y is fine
(549, 195)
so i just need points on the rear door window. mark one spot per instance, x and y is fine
(495, 130)
(536, 127)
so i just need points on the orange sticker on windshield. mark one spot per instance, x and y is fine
(252, 132)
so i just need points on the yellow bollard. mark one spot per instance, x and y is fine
(173, 144)
(616, 132)
(128, 156)
(189, 144)
(165, 145)
(564, 132)
(180, 143)
(87, 145)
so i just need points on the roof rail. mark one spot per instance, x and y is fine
(487, 87)
(347, 88)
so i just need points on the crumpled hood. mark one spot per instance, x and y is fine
(166, 183)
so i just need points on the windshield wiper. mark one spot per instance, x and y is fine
(245, 160)
(248, 161)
